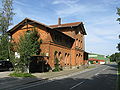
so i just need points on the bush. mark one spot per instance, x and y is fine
(57, 68)
(119, 69)
(21, 75)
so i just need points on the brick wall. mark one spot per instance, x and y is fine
(64, 45)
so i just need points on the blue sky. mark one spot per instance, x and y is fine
(99, 17)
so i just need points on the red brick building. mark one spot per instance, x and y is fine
(67, 40)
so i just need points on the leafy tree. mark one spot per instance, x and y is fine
(29, 45)
(4, 49)
(118, 46)
(6, 16)
(115, 58)
(118, 12)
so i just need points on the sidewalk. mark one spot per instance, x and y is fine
(64, 73)
(10, 82)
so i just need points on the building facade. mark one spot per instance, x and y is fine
(64, 41)
(97, 59)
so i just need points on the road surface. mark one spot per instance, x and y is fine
(101, 78)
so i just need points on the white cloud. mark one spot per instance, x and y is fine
(70, 7)
(69, 3)
(21, 3)
(94, 38)
(110, 2)
(19, 13)
(111, 37)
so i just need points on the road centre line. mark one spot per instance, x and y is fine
(51, 80)
(77, 85)
(97, 74)
(101, 71)
(105, 68)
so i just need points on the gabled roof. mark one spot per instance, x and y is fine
(66, 25)
(23, 22)
(69, 25)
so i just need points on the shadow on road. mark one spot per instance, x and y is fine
(97, 82)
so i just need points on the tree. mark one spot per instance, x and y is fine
(29, 45)
(118, 12)
(6, 16)
(118, 19)
(4, 51)
(118, 46)
(115, 58)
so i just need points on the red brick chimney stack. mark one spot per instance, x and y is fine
(59, 21)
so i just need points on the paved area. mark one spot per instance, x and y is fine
(66, 72)
(102, 78)
(10, 83)
(4, 74)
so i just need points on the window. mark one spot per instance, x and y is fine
(79, 43)
(76, 42)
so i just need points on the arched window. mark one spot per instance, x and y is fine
(76, 42)
(79, 44)
(76, 61)
(68, 59)
(55, 54)
(65, 59)
(59, 55)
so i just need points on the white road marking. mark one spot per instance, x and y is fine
(97, 74)
(51, 80)
(105, 68)
(77, 85)
(101, 71)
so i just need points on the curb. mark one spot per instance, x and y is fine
(60, 76)
(71, 74)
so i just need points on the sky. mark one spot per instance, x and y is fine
(99, 18)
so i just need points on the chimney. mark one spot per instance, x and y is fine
(59, 21)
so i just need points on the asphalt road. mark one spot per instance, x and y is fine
(102, 78)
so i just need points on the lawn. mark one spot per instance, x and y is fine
(21, 75)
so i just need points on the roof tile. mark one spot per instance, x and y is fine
(65, 25)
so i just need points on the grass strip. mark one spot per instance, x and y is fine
(14, 74)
